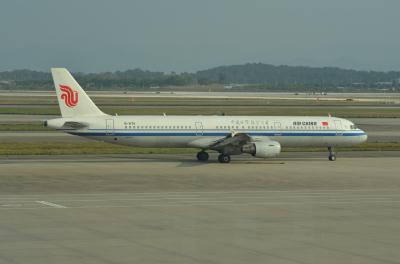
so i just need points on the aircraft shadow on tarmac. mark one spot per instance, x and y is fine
(181, 160)
(187, 162)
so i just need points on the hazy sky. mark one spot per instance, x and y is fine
(190, 35)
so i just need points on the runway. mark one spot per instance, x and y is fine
(299, 208)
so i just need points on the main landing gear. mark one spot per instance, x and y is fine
(332, 154)
(202, 156)
(224, 158)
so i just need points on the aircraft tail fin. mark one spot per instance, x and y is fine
(72, 99)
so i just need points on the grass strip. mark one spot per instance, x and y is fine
(62, 148)
(34, 126)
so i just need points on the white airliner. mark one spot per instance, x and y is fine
(260, 136)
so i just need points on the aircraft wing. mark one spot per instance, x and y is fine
(233, 140)
(231, 144)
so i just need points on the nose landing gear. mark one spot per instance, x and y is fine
(332, 154)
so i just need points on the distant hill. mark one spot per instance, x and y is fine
(259, 73)
(251, 76)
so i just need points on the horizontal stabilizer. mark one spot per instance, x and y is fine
(75, 125)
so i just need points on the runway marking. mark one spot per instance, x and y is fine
(51, 204)
(208, 203)
(208, 198)
(11, 205)
(301, 192)
(93, 198)
(230, 203)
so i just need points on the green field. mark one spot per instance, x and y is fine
(24, 127)
(62, 148)
(133, 105)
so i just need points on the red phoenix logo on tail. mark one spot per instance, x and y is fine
(69, 96)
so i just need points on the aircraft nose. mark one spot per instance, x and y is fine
(364, 137)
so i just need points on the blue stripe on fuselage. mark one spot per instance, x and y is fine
(216, 134)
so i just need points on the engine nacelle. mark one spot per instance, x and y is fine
(263, 149)
(56, 123)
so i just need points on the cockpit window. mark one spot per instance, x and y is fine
(353, 127)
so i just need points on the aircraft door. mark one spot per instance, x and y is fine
(199, 128)
(278, 128)
(109, 126)
(339, 128)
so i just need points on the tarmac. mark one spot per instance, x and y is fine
(298, 208)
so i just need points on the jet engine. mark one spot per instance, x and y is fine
(262, 149)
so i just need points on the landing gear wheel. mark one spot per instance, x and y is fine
(223, 158)
(202, 156)
(332, 154)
